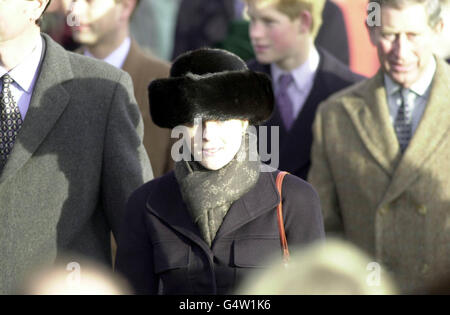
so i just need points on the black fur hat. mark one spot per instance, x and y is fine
(211, 84)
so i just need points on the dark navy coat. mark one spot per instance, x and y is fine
(295, 144)
(161, 251)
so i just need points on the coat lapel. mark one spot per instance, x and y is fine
(47, 103)
(168, 205)
(430, 134)
(260, 199)
(370, 116)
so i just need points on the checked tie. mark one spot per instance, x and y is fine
(10, 120)
(403, 123)
(284, 102)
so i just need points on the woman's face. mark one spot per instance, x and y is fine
(215, 143)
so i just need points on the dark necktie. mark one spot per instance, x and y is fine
(10, 120)
(284, 102)
(403, 121)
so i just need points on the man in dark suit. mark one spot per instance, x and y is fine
(71, 149)
(303, 75)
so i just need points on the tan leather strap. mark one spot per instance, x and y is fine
(283, 240)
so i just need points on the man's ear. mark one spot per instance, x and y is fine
(306, 21)
(36, 9)
(439, 27)
(128, 8)
(373, 33)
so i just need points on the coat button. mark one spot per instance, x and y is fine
(425, 268)
(422, 209)
(383, 210)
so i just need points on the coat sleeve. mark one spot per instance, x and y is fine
(125, 162)
(135, 252)
(321, 178)
(301, 211)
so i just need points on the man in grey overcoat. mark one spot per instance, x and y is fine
(71, 149)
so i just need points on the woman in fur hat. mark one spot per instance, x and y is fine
(203, 227)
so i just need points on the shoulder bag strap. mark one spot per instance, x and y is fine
(283, 240)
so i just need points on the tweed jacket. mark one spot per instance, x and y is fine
(395, 206)
(295, 144)
(143, 68)
(161, 250)
(76, 160)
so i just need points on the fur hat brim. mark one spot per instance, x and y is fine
(244, 94)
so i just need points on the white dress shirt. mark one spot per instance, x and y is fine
(25, 75)
(303, 78)
(117, 57)
(418, 95)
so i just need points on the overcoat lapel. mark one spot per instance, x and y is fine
(47, 103)
(168, 208)
(369, 114)
(431, 133)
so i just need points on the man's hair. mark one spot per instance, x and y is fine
(432, 7)
(293, 8)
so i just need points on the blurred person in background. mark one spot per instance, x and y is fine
(83, 277)
(104, 33)
(443, 49)
(55, 23)
(362, 55)
(153, 26)
(220, 23)
(332, 35)
(332, 267)
(380, 152)
(202, 228)
(224, 24)
(303, 75)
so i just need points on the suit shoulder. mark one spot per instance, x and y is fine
(348, 95)
(153, 66)
(90, 67)
(158, 64)
(299, 189)
(154, 187)
(338, 69)
(254, 65)
(296, 188)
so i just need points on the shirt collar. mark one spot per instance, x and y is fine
(304, 74)
(24, 74)
(117, 57)
(419, 87)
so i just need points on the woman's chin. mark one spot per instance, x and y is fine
(213, 163)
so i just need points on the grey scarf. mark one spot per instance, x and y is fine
(209, 194)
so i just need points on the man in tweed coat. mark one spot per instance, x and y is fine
(380, 157)
(77, 153)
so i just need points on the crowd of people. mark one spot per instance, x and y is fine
(187, 144)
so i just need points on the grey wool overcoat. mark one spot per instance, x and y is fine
(395, 206)
(77, 158)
